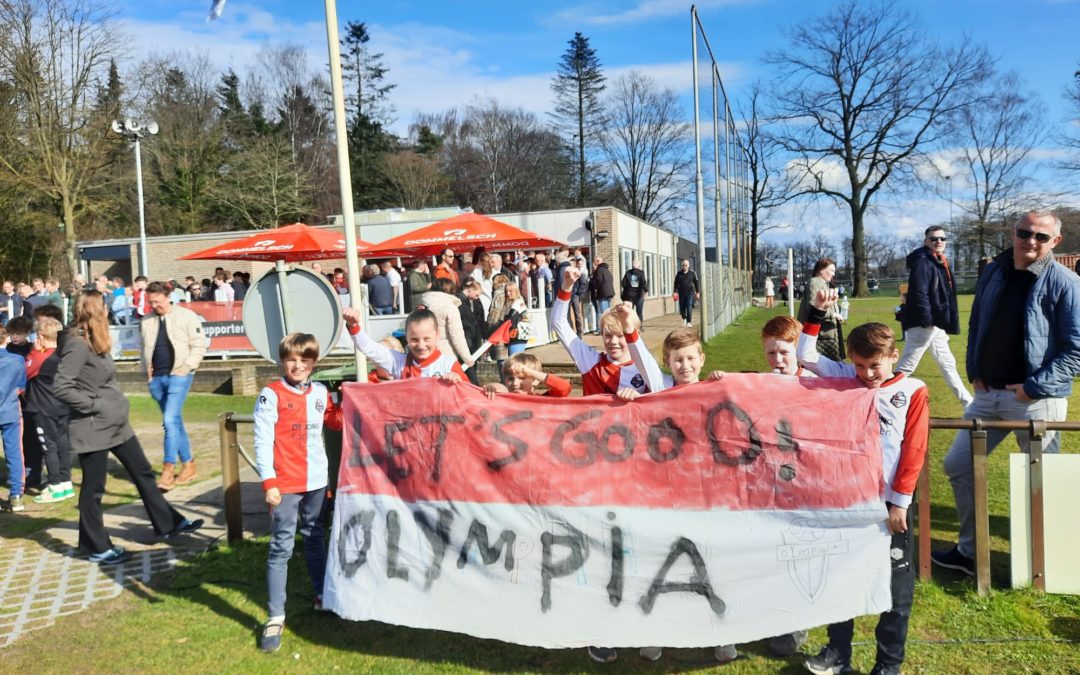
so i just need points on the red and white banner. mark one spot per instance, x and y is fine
(712, 514)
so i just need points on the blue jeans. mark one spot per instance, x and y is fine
(170, 391)
(516, 347)
(304, 507)
(383, 311)
(11, 434)
(602, 306)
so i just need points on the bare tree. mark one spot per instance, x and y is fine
(999, 135)
(648, 145)
(863, 91)
(1072, 140)
(417, 179)
(500, 159)
(768, 186)
(55, 52)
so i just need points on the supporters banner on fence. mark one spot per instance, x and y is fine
(711, 514)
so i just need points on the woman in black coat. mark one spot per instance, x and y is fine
(86, 381)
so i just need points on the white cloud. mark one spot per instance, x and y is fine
(434, 68)
(601, 14)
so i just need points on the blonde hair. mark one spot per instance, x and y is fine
(392, 343)
(609, 322)
(515, 294)
(524, 359)
(92, 321)
(680, 338)
(305, 345)
(48, 328)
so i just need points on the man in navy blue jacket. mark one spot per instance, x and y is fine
(930, 314)
(1023, 353)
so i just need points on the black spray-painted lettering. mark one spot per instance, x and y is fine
(437, 445)
(615, 583)
(517, 446)
(587, 439)
(438, 537)
(785, 440)
(504, 546)
(357, 458)
(393, 543)
(665, 429)
(395, 472)
(363, 519)
(627, 442)
(720, 455)
(550, 569)
(699, 583)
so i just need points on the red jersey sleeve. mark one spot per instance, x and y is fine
(556, 386)
(913, 447)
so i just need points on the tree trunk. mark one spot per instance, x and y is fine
(858, 253)
(68, 208)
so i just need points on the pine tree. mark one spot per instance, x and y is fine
(578, 115)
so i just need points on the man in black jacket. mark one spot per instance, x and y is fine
(686, 290)
(473, 321)
(635, 287)
(601, 286)
(930, 315)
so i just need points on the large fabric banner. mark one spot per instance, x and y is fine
(709, 514)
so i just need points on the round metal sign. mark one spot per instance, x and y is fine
(309, 304)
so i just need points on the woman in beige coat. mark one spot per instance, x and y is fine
(444, 305)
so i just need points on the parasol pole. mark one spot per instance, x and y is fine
(283, 294)
(344, 174)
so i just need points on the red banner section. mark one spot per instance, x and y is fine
(746, 442)
(223, 325)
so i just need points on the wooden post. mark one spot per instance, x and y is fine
(230, 478)
(1035, 482)
(982, 510)
(923, 489)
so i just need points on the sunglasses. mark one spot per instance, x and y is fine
(937, 239)
(1041, 237)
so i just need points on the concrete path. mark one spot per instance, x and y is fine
(42, 578)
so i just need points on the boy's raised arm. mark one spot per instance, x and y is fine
(806, 349)
(639, 353)
(380, 354)
(584, 356)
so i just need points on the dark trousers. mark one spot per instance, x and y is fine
(33, 453)
(302, 508)
(473, 377)
(577, 316)
(92, 535)
(892, 626)
(639, 305)
(51, 433)
(686, 306)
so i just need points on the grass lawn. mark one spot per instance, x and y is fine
(204, 618)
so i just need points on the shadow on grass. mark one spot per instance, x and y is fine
(241, 568)
(1066, 627)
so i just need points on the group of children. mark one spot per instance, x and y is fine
(33, 422)
(295, 479)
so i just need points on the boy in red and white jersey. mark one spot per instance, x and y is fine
(524, 374)
(904, 415)
(423, 358)
(292, 464)
(601, 372)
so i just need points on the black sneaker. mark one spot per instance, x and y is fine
(183, 527)
(885, 670)
(114, 556)
(828, 662)
(787, 645)
(953, 559)
(602, 654)
(270, 640)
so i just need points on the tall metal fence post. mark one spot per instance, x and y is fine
(982, 507)
(1035, 482)
(230, 478)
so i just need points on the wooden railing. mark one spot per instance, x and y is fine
(232, 451)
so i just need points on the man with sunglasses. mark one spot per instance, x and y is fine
(1023, 354)
(930, 315)
(446, 269)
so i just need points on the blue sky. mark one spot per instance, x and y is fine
(445, 54)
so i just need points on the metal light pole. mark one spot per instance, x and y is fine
(133, 131)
